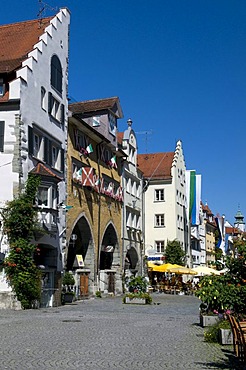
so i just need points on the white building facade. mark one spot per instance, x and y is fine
(165, 216)
(132, 220)
(33, 130)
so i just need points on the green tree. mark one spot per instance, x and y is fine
(174, 253)
(19, 223)
(227, 291)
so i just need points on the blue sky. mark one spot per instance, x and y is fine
(179, 69)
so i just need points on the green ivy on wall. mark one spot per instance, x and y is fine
(19, 224)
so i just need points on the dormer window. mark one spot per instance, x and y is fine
(2, 87)
(112, 124)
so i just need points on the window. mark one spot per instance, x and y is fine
(1, 87)
(159, 195)
(55, 156)
(46, 149)
(112, 124)
(56, 74)
(42, 197)
(159, 220)
(43, 96)
(80, 140)
(2, 124)
(47, 196)
(56, 109)
(159, 246)
(96, 121)
(36, 145)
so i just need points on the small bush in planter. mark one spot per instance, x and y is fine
(98, 294)
(68, 279)
(211, 334)
(146, 296)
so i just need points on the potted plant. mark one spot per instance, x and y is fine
(137, 287)
(218, 294)
(220, 332)
(67, 288)
(225, 333)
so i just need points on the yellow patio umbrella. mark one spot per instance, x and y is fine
(161, 268)
(182, 271)
(165, 267)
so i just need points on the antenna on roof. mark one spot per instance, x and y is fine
(43, 7)
(146, 133)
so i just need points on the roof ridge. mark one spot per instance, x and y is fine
(28, 21)
(93, 100)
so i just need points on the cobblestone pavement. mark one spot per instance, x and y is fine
(107, 334)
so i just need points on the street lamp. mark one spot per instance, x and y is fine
(73, 238)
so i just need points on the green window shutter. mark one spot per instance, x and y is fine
(2, 126)
(30, 140)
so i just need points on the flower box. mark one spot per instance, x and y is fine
(225, 336)
(135, 300)
(207, 320)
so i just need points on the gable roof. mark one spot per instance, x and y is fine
(90, 106)
(120, 136)
(17, 40)
(42, 170)
(156, 165)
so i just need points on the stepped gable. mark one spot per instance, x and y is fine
(42, 170)
(156, 165)
(17, 40)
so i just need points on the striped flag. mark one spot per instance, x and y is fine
(193, 190)
(89, 149)
(220, 222)
(113, 161)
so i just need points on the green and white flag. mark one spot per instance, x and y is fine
(113, 161)
(89, 149)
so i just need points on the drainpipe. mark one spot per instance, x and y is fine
(97, 262)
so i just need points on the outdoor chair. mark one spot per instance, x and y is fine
(239, 340)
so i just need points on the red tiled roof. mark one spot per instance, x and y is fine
(207, 209)
(42, 170)
(17, 40)
(157, 165)
(232, 230)
(120, 136)
(93, 105)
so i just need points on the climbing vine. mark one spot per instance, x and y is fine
(19, 224)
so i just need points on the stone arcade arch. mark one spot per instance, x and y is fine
(109, 262)
(131, 260)
(110, 252)
(82, 245)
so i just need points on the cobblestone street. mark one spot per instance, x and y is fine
(107, 334)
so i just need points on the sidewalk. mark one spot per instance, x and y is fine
(107, 334)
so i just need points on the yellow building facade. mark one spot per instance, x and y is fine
(94, 196)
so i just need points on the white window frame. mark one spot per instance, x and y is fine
(43, 98)
(96, 121)
(56, 156)
(51, 196)
(159, 195)
(160, 246)
(38, 145)
(159, 220)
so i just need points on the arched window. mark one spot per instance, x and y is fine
(56, 73)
